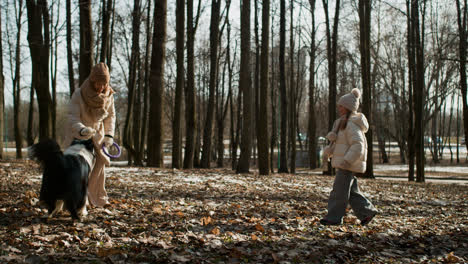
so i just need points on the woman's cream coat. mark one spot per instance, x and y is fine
(79, 117)
(351, 144)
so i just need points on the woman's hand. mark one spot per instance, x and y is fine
(108, 141)
(87, 132)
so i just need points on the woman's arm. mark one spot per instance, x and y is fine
(109, 121)
(74, 116)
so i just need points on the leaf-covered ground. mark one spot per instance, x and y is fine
(215, 216)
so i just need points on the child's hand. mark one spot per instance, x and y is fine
(344, 165)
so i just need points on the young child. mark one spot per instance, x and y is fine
(349, 155)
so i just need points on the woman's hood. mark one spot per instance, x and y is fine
(360, 120)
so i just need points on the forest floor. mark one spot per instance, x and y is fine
(215, 216)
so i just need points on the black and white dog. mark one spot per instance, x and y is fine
(65, 175)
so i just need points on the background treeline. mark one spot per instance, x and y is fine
(241, 83)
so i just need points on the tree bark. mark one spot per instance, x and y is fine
(155, 129)
(2, 93)
(292, 95)
(17, 82)
(312, 126)
(71, 74)
(86, 40)
(38, 21)
(411, 145)
(263, 136)
(365, 7)
(462, 46)
(208, 130)
(190, 107)
(176, 126)
(245, 83)
(132, 112)
(418, 89)
(332, 47)
(283, 166)
(106, 15)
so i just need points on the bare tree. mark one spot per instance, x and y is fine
(190, 103)
(332, 48)
(176, 125)
(15, 59)
(312, 127)
(245, 83)
(462, 31)
(417, 44)
(86, 40)
(155, 129)
(38, 38)
(2, 91)
(214, 42)
(283, 167)
(263, 136)
(292, 94)
(71, 75)
(55, 31)
(132, 129)
(107, 11)
(365, 7)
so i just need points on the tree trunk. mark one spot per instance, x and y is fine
(418, 89)
(410, 48)
(155, 129)
(312, 127)
(190, 108)
(245, 83)
(263, 135)
(292, 95)
(462, 31)
(365, 7)
(30, 136)
(283, 166)
(208, 130)
(144, 130)
(38, 21)
(86, 40)
(2, 93)
(17, 83)
(71, 74)
(132, 111)
(53, 67)
(176, 125)
(106, 15)
(109, 50)
(274, 107)
(332, 47)
(256, 84)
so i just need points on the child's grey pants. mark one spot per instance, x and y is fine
(345, 189)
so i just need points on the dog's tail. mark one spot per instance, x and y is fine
(45, 151)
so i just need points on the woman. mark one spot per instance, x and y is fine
(92, 115)
(349, 155)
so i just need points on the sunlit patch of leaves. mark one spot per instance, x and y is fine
(215, 216)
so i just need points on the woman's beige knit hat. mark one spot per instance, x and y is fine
(350, 101)
(100, 73)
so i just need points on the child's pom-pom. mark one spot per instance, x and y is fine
(356, 92)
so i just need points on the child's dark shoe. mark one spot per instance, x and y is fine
(328, 222)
